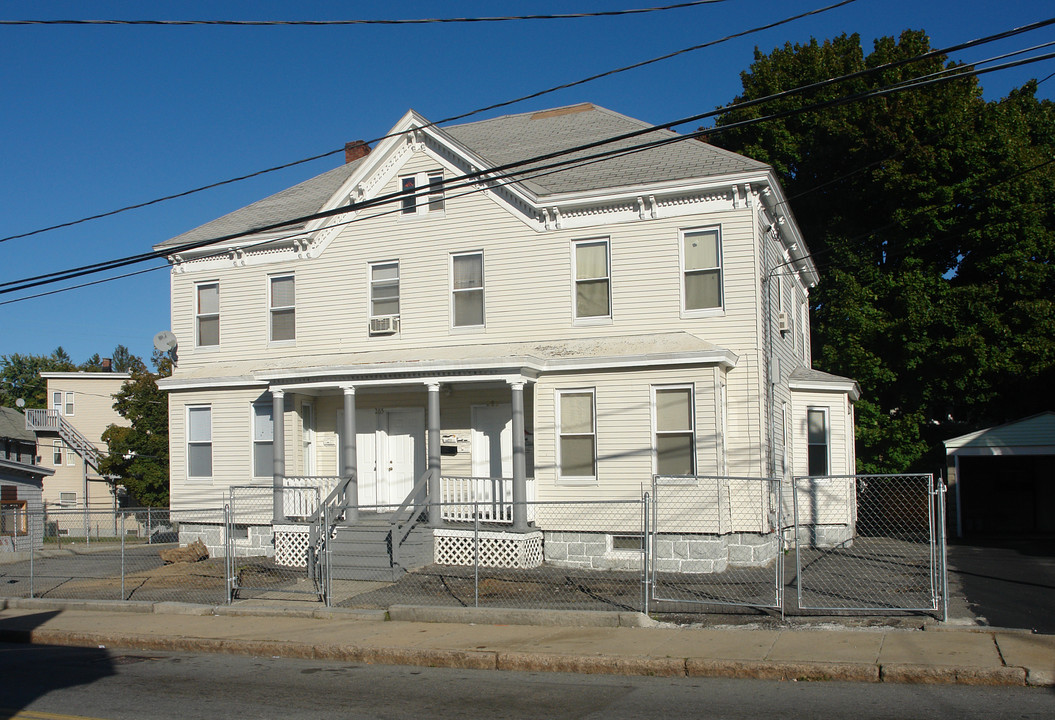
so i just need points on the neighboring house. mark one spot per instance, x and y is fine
(563, 337)
(69, 435)
(21, 479)
(1001, 479)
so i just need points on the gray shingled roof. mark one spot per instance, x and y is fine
(507, 139)
(515, 137)
(298, 201)
(13, 425)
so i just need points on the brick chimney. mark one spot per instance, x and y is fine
(355, 150)
(108, 365)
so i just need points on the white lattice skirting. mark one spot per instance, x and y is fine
(291, 545)
(497, 549)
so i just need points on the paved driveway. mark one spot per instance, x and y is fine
(1007, 583)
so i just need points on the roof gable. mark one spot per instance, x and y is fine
(1034, 431)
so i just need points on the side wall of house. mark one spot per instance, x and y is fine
(93, 412)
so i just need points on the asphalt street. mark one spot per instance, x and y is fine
(42, 681)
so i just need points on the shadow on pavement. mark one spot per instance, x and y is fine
(31, 671)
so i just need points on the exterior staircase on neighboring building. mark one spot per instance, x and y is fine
(53, 421)
(378, 548)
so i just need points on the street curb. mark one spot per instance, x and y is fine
(513, 616)
(538, 662)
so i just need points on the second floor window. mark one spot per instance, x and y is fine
(467, 290)
(592, 280)
(701, 270)
(207, 315)
(283, 308)
(384, 289)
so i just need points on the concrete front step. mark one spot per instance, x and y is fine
(362, 551)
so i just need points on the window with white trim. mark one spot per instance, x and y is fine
(593, 287)
(431, 201)
(67, 499)
(71, 457)
(576, 436)
(282, 302)
(384, 289)
(56, 453)
(263, 439)
(69, 404)
(817, 441)
(674, 424)
(199, 441)
(701, 264)
(467, 289)
(56, 402)
(207, 314)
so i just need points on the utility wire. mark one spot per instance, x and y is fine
(494, 171)
(399, 21)
(470, 178)
(462, 116)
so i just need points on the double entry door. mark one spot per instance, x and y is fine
(390, 453)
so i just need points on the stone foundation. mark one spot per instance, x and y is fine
(685, 553)
(258, 540)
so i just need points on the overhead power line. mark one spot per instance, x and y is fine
(397, 21)
(452, 118)
(511, 171)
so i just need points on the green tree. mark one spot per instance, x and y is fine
(929, 216)
(139, 454)
(20, 377)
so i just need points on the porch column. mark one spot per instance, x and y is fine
(520, 522)
(349, 470)
(278, 446)
(434, 453)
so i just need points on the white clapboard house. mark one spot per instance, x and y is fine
(428, 328)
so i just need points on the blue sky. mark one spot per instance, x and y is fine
(98, 117)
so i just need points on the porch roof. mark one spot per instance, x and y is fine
(523, 358)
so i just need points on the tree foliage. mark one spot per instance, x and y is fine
(139, 453)
(20, 374)
(930, 214)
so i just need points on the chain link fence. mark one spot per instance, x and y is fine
(108, 555)
(716, 541)
(869, 542)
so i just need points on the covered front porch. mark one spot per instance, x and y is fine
(408, 458)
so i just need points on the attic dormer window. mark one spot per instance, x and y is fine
(427, 202)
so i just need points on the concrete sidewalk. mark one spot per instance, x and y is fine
(546, 641)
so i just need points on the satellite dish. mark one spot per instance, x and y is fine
(20, 402)
(165, 341)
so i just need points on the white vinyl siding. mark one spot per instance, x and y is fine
(384, 289)
(701, 259)
(467, 289)
(283, 308)
(577, 436)
(207, 314)
(199, 441)
(592, 296)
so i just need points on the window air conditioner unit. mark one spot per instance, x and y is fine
(783, 322)
(384, 325)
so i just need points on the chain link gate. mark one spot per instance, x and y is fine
(716, 540)
(263, 556)
(870, 542)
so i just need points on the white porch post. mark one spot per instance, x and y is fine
(433, 444)
(279, 451)
(349, 470)
(520, 522)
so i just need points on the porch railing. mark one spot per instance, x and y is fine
(302, 505)
(489, 499)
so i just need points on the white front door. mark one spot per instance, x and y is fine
(389, 453)
(492, 441)
(404, 452)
